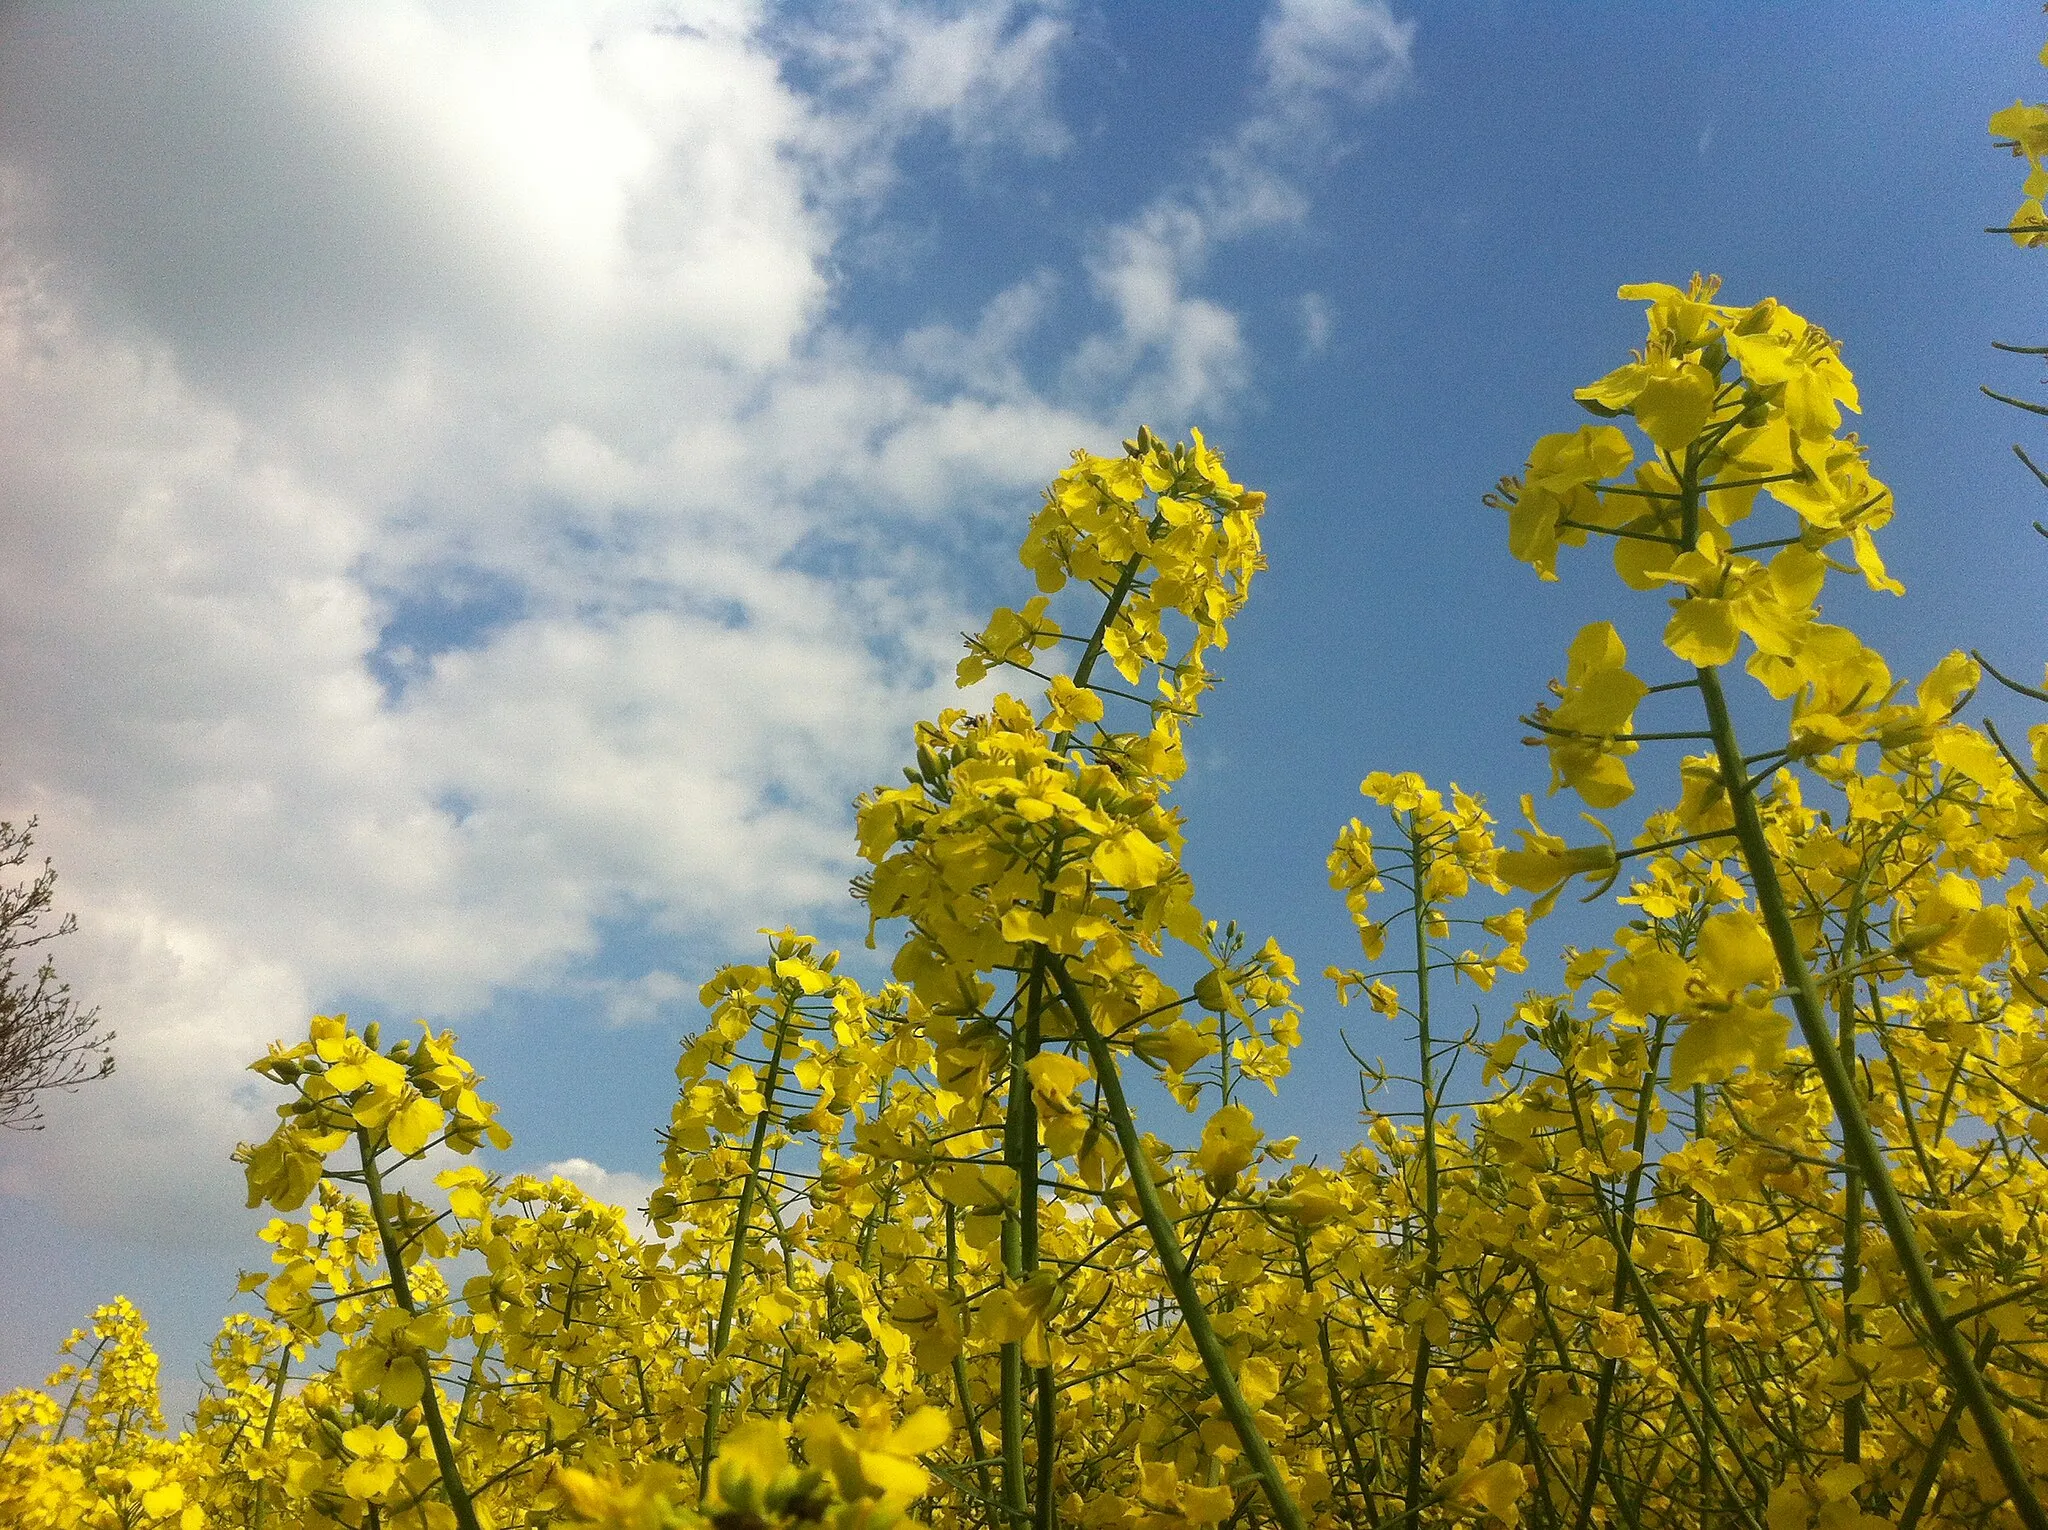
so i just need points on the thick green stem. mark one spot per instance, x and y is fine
(1166, 1244)
(555, 1374)
(1418, 1387)
(1860, 1148)
(1596, 1443)
(401, 1292)
(736, 1259)
(1852, 1227)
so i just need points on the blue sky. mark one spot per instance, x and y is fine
(485, 486)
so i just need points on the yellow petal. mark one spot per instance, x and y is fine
(1702, 631)
(1652, 981)
(1537, 871)
(1230, 1141)
(1130, 860)
(413, 1127)
(1207, 1505)
(1717, 1042)
(1673, 409)
(923, 1432)
(1734, 951)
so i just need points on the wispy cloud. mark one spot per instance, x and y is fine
(1318, 53)
(876, 73)
(1318, 320)
(1316, 59)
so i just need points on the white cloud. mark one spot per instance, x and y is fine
(1316, 58)
(984, 362)
(1318, 319)
(982, 74)
(1187, 349)
(649, 997)
(1312, 51)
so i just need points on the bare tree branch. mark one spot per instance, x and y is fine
(46, 1040)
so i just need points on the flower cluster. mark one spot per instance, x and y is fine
(912, 1255)
(1741, 1220)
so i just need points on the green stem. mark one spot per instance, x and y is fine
(1011, 1357)
(1118, 594)
(1418, 1387)
(1539, 1457)
(1704, 1230)
(78, 1389)
(284, 1360)
(646, 1417)
(785, 1369)
(1852, 1220)
(1597, 1426)
(977, 1449)
(1622, 1236)
(1339, 1417)
(547, 1438)
(736, 1260)
(401, 1292)
(1937, 1451)
(1596, 1443)
(1044, 1394)
(1646, 1304)
(1860, 1149)
(1159, 1226)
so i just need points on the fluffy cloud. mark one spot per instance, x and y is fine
(417, 422)
(1316, 52)
(1184, 351)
